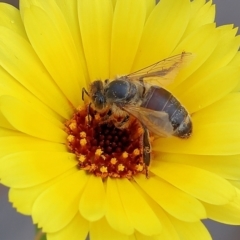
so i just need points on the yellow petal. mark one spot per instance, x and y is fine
(10, 18)
(11, 87)
(4, 123)
(224, 52)
(228, 214)
(208, 139)
(23, 4)
(77, 229)
(41, 167)
(139, 236)
(168, 230)
(128, 22)
(19, 60)
(201, 13)
(114, 3)
(115, 213)
(26, 119)
(224, 166)
(236, 60)
(197, 182)
(92, 202)
(70, 11)
(237, 89)
(150, 5)
(63, 14)
(58, 204)
(13, 144)
(9, 132)
(132, 237)
(235, 183)
(162, 32)
(137, 209)
(101, 230)
(196, 5)
(201, 43)
(190, 231)
(213, 87)
(95, 18)
(211, 132)
(228, 44)
(51, 38)
(227, 29)
(24, 198)
(171, 199)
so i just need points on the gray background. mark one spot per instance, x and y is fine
(14, 226)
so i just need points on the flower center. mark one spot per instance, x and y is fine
(103, 149)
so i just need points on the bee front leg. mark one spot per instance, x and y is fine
(89, 115)
(123, 122)
(107, 116)
(146, 148)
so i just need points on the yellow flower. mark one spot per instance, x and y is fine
(50, 51)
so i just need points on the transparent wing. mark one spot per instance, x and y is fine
(157, 122)
(164, 71)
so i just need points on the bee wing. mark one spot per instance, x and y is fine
(164, 71)
(156, 122)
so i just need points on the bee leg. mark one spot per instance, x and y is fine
(126, 118)
(107, 116)
(123, 122)
(88, 114)
(146, 149)
(89, 105)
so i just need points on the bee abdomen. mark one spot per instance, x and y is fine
(156, 98)
(159, 99)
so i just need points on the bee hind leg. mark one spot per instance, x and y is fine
(146, 149)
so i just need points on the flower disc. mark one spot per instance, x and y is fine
(76, 171)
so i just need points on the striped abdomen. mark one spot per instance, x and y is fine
(159, 99)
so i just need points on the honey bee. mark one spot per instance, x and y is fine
(141, 94)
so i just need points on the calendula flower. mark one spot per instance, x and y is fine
(76, 173)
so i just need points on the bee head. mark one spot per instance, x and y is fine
(97, 93)
(99, 101)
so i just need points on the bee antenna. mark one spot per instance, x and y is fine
(84, 91)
